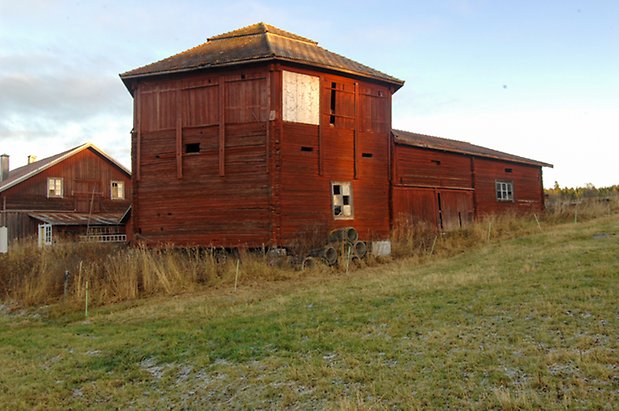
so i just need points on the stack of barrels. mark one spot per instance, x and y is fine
(343, 247)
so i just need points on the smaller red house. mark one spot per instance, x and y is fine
(82, 192)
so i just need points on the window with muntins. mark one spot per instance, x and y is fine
(342, 205)
(504, 191)
(117, 190)
(54, 187)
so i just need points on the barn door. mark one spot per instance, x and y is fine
(87, 196)
(455, 208)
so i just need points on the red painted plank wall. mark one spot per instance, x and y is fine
(527, 186)
(200, 155)
(419, 167)
(355, 149)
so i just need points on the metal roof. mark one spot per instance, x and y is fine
(462, 147)
(25, 172)
(75, 219)
(255, 43)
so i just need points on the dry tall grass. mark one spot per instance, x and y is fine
(112, 273)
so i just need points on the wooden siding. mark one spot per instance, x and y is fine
(527, 186)
(86, 177)
(200, 149)
(347, 146)
(430, 168)
(450, 189)
(255, 179)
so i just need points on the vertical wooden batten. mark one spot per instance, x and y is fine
(179, 136)
(356, 127)
(138, 128)
(222, 126)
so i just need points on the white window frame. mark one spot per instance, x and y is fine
(342, 207)
(120, 190)
(57, 183)
(504, 190)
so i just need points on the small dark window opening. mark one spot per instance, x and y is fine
(308, 149)
(332, 106)
(346, 200)
(437, 162)
(242, 76)
(508, 170)
(336, 189)
(366, 155)
(192, 148)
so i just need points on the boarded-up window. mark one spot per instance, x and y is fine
(158, 110)
(200, 106)
(373, 112)
(246, 101)
(301, 98)
(340, 104)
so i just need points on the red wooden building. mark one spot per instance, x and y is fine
(79, 191)
(261, 137)
(447, 182)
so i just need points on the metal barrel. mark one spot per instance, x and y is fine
(343, 234)
(329, 254)
(350, 234)
(360, 249)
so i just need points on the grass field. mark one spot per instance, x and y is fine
(524, 323)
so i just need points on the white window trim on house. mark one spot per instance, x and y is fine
(504, 190)
(118, 192)
(55, 187)
(342, 200)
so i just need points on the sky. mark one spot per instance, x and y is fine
(539, 79)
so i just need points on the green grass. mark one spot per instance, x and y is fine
(524, 323)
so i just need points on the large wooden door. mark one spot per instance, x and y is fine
(455, 208)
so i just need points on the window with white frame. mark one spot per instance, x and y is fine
(117, 190)
(54, 187)
(504, 191)
(341, 194)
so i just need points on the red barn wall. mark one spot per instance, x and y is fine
(449, 189)
(218, 195)
(431, 186)
(256, 180)
(527, 186)
(355, 149)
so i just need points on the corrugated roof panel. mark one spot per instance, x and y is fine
(73, 219)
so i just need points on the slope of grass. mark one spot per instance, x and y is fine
(526, 323)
